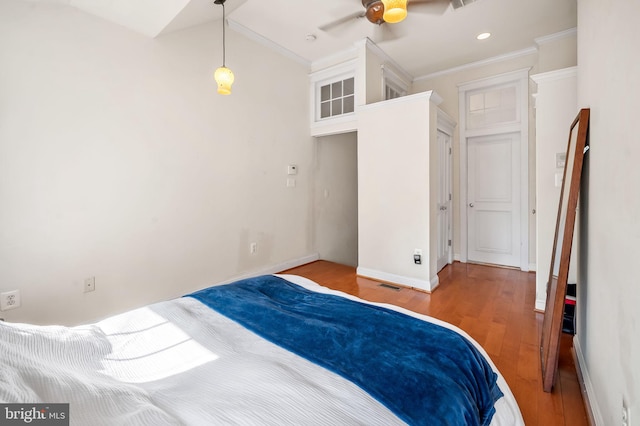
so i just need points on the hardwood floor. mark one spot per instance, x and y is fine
(496, 307)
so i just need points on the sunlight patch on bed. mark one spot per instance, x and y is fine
(147, 347)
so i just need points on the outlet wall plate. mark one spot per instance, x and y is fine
(9, 300)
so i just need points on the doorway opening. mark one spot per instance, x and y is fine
(494, 191)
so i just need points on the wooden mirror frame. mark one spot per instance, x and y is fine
(563, 239)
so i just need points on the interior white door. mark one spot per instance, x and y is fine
(493, 199)
(444, 200)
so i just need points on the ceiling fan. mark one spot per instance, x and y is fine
(374, 10)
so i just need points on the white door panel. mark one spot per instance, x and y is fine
(493, 210)
(444, 255)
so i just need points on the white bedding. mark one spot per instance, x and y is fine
(179, 362)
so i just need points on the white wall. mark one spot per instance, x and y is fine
(556, 108)
(396, 202)
(119, 160)
(609, 295)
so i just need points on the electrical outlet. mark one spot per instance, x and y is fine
(253, 248)
(9, 300)
(89, 284)
(417, 256)
(626, 415)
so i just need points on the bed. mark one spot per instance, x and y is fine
(269, 350)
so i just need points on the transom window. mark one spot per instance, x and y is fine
(337, 98)
(497, 105)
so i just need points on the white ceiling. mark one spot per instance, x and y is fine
(433, 37)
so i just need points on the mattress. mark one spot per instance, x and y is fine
(179, 362)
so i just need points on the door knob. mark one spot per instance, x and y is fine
(470, 204)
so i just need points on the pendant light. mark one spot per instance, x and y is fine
(394, 10)
(223, 75)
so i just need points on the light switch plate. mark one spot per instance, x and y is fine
(558, 178)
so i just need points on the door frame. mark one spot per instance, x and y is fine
(521, 80)
(446, 125)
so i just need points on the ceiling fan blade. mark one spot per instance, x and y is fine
(348, 18)
(460, 3)
(432, 7)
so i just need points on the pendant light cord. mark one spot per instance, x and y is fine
(224, 43)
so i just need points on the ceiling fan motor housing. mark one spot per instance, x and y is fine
(375, 10)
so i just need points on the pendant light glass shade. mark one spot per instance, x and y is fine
(394, 10)
(224, 78)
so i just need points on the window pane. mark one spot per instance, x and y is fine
(475, 119)
(336, 90)
(476, 102)
(325, 93)
(348, 86)
(509, 115)
(336, 107)
(348, 104)
(508, 98)
(492, 99)
(325, 109)
(335, 98)
(492, 106)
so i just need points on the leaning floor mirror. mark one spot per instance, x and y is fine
(559, 271)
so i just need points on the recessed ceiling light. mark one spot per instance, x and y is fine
(483, 36)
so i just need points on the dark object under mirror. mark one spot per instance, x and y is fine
(559, 271)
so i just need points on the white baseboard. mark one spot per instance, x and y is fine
(273, 269)
(435, 282)
(591, 405)
(398, 279)
(540, 305)
(532, 267)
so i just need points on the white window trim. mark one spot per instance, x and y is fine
(393, 79)
(321, 78)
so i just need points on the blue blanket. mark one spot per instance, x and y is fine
(426, 374)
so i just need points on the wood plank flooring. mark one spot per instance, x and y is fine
(496, 307)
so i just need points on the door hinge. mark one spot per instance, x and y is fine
(449, 150)
(449, 197)
(449, 243)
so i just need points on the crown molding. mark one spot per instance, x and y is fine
(339, 57)
(555, 75)
(488, 61)
(571, 32)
